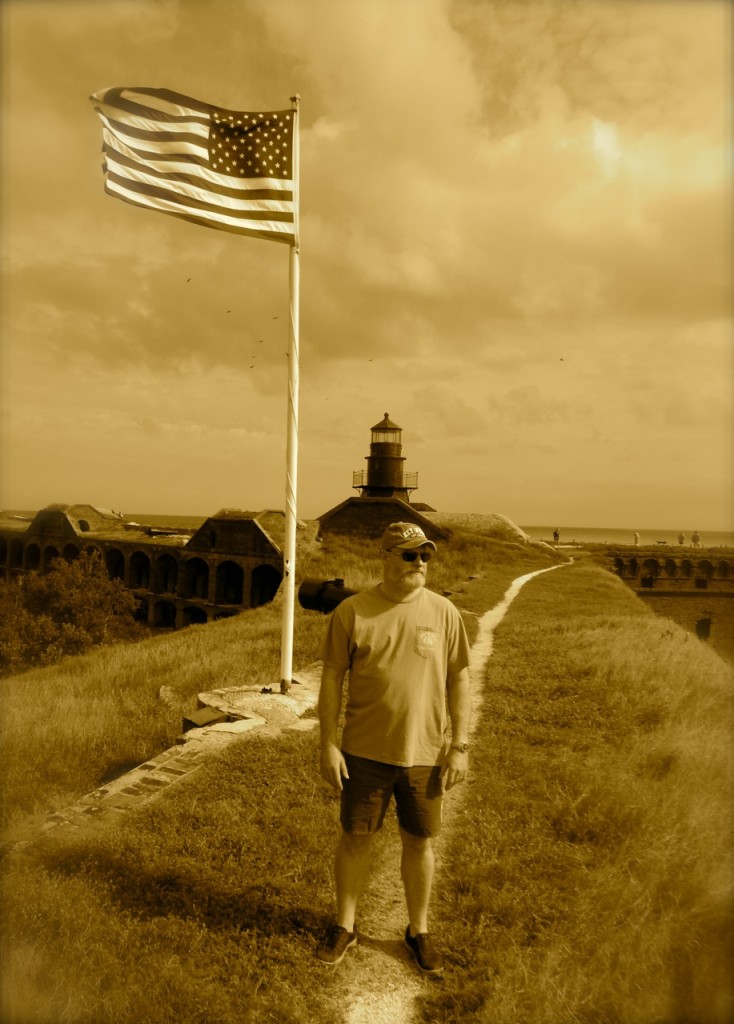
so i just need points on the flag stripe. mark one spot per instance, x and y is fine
(251, 211)
(196, 186)
(163, 101)
(141, 128)
(179, 145)
(225, 169)
(264, 229)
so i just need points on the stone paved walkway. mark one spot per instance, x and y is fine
(247, 710)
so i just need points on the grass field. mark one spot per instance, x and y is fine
(592, 876)
(586, 876)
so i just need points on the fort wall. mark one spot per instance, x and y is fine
(694, 587)
(231, 563)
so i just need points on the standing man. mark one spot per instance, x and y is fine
(407, 654)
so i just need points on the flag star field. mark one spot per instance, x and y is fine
(251, 145)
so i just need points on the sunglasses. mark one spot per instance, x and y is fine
(410, 556)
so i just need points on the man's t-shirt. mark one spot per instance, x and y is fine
(398, 656)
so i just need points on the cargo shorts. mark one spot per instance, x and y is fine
(367, 792)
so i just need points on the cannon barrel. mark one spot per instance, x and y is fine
(322, 595)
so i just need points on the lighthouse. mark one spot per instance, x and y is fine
(384, 493)
(385, 476)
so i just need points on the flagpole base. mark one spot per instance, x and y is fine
(285, 686)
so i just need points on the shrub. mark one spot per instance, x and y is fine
(69, 610)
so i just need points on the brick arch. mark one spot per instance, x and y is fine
(230, 581)
(195, 578)
(115, 563)
(139, 570)
(49, 554)
(194, 615)
(264, 584)
(703, 628)
(32, 557)
(165, 574)
(164, 615)
(15, 554)
(70, 552)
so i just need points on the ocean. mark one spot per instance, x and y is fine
(613, 535)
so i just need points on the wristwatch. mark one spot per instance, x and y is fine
(463, 747)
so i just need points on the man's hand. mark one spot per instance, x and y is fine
(454, 768)
(333, 766)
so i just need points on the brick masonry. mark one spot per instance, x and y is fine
(692, 586)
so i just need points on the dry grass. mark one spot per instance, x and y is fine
(591, 879)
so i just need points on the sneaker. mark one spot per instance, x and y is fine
(425, 953)
(335, 944)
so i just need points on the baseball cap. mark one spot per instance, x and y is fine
(406, 537)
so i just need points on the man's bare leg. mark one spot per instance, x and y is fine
(353, 855)
(417, 866)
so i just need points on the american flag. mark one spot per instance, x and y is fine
(225, 169)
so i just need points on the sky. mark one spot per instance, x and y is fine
(515, 239)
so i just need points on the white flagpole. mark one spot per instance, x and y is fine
(289, 578)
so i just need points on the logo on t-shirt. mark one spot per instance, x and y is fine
(426, 641)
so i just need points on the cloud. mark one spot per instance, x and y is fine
(514, 221)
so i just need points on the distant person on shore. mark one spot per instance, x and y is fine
(637, 539)
(556, 536)
(407, 654)
(681, 539)
(696, 539)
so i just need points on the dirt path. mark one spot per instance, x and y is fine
(380, 977)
